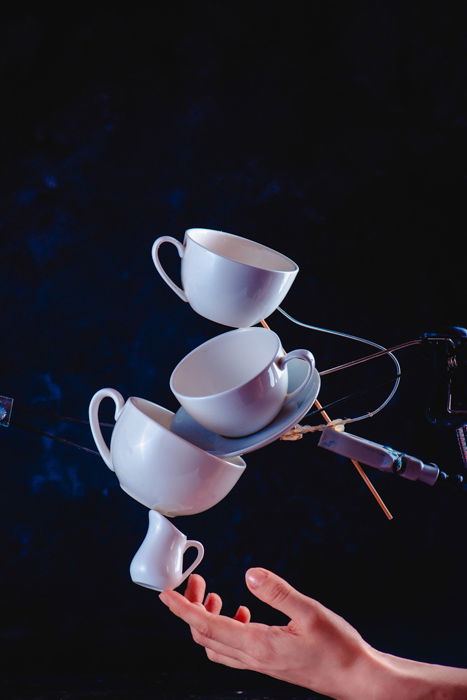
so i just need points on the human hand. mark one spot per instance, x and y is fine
(317, 649)
(195, 592)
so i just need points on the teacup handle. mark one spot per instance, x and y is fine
(300, 354)
(155, 257)
(200, 548)
(94, 420)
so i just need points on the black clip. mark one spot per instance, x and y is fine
(448, 404)
(6, 406)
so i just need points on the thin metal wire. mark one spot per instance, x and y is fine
(54, 437)
(65, 441)
(356, 464)
(373, 356)
(54, 416)
(345, 398)
(384, 351)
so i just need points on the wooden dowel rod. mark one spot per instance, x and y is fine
(360, 470)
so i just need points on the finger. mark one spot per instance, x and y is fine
(275, 591)
(213, 603)
(243, 614)
(217, 627)
(195, 588)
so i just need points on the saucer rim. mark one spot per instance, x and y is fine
(312, 385)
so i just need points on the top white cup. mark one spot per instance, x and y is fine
(226, 278)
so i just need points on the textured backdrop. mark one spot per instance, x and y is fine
(336, 136)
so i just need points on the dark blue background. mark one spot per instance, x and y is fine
(335, 135)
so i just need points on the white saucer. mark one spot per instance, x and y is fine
(291, 413)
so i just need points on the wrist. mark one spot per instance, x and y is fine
(375, 675)
(362, 674)
(380, 676)
(371, 676)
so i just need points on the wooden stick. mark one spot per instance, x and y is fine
(360, 470)
(356, 464)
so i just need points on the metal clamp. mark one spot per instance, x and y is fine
(386, 459)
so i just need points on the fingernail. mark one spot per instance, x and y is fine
(162, 597)
(255, 577)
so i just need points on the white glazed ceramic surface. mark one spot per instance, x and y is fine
(226, 278)
(158, 468)
(158, 563)
(236, 383)
(291, 413)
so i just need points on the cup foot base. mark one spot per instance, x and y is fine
(148, 585)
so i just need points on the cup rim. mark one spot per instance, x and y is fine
(249, 329)
(216, 458)
(292, 263)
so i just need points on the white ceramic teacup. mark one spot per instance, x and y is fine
(236, 383)
(158, 563)
(155, 466)
(226, 278)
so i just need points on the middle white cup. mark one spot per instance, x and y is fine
(236, 383)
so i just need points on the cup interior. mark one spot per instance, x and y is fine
(242, 250)
(225, 362)
(164, 417)
(156, 413)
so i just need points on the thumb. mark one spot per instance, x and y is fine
(274, 591)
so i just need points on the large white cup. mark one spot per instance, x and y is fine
(226, 278)
(236, 383)
(158, 563)
(156, 467)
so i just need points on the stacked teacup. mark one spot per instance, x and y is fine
(235, 393)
